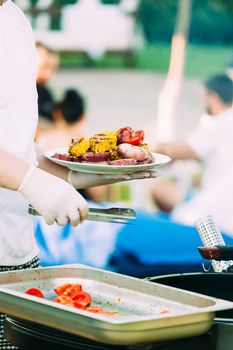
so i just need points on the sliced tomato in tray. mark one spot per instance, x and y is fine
(36, 292)
(80, 304)
(82, 297)
(71, 294)
(68, 289)
(62, 299)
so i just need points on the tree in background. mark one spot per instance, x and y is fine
(212, 21)
(170, 91)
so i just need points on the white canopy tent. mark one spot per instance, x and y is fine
(92, 27)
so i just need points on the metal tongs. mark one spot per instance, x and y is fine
(113, 215)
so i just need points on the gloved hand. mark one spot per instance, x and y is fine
(85, 180)
(53, 198)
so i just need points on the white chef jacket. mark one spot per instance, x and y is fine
(213, 143)
(18, 121)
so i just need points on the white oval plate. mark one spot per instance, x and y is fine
(97, 168)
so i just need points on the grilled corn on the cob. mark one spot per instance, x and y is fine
(79, 147)
(102, 143)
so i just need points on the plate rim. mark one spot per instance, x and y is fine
(102, 167)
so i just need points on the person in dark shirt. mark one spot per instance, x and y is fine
(45, 102)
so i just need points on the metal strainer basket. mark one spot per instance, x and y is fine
(211, 236)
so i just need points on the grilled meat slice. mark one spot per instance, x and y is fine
(133, 152)
(91, 157)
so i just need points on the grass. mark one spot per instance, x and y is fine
(201, 60)
(204, 61)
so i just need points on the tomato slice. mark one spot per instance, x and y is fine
(123, 133)
(128, 135)
(62, 299)
(79, 304)
(68, 289)
(136, 138)
(83, 298)
(60, 289)
(36, 292)
(72, 295)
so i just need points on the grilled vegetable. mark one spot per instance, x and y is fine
(128, 135)
(100, 143)
(115, 147)
(111, 133)
(79, 147)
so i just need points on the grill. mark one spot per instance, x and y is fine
(35, 323)
(29, 336)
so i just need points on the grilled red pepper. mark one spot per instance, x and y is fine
(128, 135)
(36, 292)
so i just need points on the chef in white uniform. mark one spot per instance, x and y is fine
(52, 191)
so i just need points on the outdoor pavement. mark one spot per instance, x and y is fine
(121, 98)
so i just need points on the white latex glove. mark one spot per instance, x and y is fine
(53, 198)
(85, 180)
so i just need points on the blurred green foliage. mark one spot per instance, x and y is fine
(110, 2)
(202, 61)
(212, 20)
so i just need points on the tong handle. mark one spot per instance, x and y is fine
(114, 215)
(125, 213)
(218, 252)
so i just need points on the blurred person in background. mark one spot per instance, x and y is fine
(69, 120)
(167, 243)
(211, 144)
(47, 64)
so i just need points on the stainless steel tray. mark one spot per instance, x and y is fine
(138, 304)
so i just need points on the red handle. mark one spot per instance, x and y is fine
(210, 253)
(218, 252)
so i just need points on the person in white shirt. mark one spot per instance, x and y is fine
(211, 144)
(51, 189)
